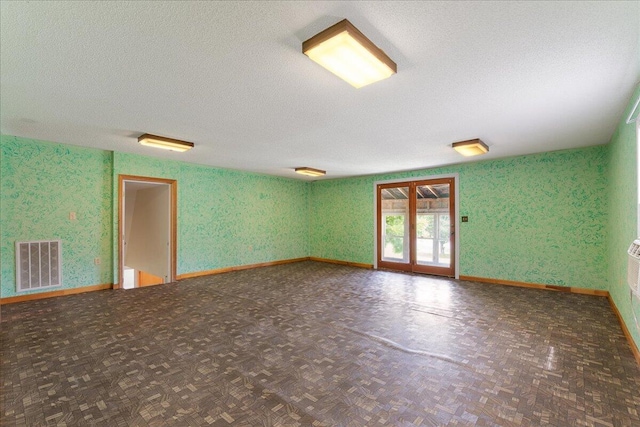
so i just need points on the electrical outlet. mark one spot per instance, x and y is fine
(465, 219)
(72, 216)
(96, 260)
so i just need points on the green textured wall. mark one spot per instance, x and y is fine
(623, 190)
(41, 183)
(538, 218)
(227, 217)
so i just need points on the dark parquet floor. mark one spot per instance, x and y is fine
(313, 344)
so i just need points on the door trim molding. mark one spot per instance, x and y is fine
(173, 185)
(456, 179)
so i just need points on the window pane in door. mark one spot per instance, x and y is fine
(395, 224)
(433, 225)
(394, 237)
(444, 256)
(425, 233)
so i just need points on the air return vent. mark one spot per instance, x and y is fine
(38, 265)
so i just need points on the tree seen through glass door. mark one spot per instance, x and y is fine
(394, 236)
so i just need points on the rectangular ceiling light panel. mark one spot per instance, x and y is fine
(472, 147)
(310, 171)
(164, 143)
(349, 54)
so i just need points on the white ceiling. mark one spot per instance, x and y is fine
(525, 77)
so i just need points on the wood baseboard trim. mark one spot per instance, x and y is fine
(583, 291)
(238, 268)
(625, 330)
(58, 293)
(335, 261)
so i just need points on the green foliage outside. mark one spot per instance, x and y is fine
(394, 232)
(445, 227)
(395, 225)
(425, 225)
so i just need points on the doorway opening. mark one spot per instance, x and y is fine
(415, 226)
(146, 231)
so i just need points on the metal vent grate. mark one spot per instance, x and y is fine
(38, 264)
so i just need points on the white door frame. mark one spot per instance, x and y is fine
(173, 240)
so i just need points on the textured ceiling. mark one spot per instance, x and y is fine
(230, 77)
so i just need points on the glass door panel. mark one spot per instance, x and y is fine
(425, 236)
(433, 231)
(445, 236)
(394, 240)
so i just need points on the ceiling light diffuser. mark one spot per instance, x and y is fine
(472, 147)
(349, 54)
(164, 143)
(310, 171)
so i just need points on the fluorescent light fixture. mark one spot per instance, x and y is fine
(472, 147)
(164, 143)
(349, 54)
(310, 171)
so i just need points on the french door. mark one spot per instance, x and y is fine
(416, 226)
